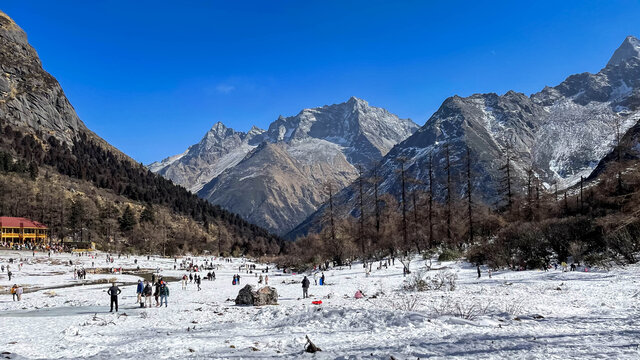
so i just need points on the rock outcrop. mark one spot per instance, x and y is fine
(30, 97)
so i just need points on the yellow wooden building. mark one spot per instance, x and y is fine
(16, 230)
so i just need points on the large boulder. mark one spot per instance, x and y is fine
(245, 296)
(264, 296)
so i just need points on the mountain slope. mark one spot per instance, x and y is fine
(41, 130)
(29, 96)
(275, 178)
(560, 133)
(220, 149)
(279, 189)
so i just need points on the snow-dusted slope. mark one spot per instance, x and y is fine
(561, 132)
(220, 149)
(281, 182)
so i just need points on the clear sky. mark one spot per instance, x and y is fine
(152, 77)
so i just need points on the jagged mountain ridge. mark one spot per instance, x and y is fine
(220, 149)
(315, 146)
(561, 133)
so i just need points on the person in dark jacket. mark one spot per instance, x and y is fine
(164, 293)
(114, 291)
(156, 293)
(305, 287)
(148, 291)
(198, 281)
(139, 291)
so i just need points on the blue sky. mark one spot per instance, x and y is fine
(152, 77)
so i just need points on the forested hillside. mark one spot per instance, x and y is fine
(83, 192)
(56, 170)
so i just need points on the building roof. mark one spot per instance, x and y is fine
(16, 222)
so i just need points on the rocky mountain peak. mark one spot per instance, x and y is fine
(630, 48)
(11, 30)
(357, 102)
(31, 98)
(255, 131)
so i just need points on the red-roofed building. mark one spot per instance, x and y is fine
(22, 230)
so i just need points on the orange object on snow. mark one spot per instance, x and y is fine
(317, 302)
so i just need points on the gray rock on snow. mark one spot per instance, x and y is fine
(263, 296)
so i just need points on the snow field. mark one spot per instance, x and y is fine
(515, 315)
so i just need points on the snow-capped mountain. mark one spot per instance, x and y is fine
(219, 149)
(275, 178)
(561, 132)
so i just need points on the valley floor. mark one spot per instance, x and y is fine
(513, 315)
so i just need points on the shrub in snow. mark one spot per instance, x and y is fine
(469, 310)
(449, 255)
(421, 280)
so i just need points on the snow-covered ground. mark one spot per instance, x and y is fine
(528, 314)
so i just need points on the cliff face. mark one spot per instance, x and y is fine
(30, 97)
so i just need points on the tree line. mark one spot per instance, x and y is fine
(531, 226)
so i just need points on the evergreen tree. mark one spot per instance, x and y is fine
(147, 215)
(33, 170)
(127, 220)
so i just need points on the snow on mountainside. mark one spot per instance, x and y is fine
(275, 178)
(316, 146)
(159, 165)
(561, 133)
(220, 149)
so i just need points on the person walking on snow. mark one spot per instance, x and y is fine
(478, 271)
(198, 281)
(114, 291)
(147, 294)
(14, 288)
(19, 293)
(322, 279)
(184, 282)
(164, 293)
(156, 293)
(266, 279)
(139, 291)
(305, 287)
(315, 278)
